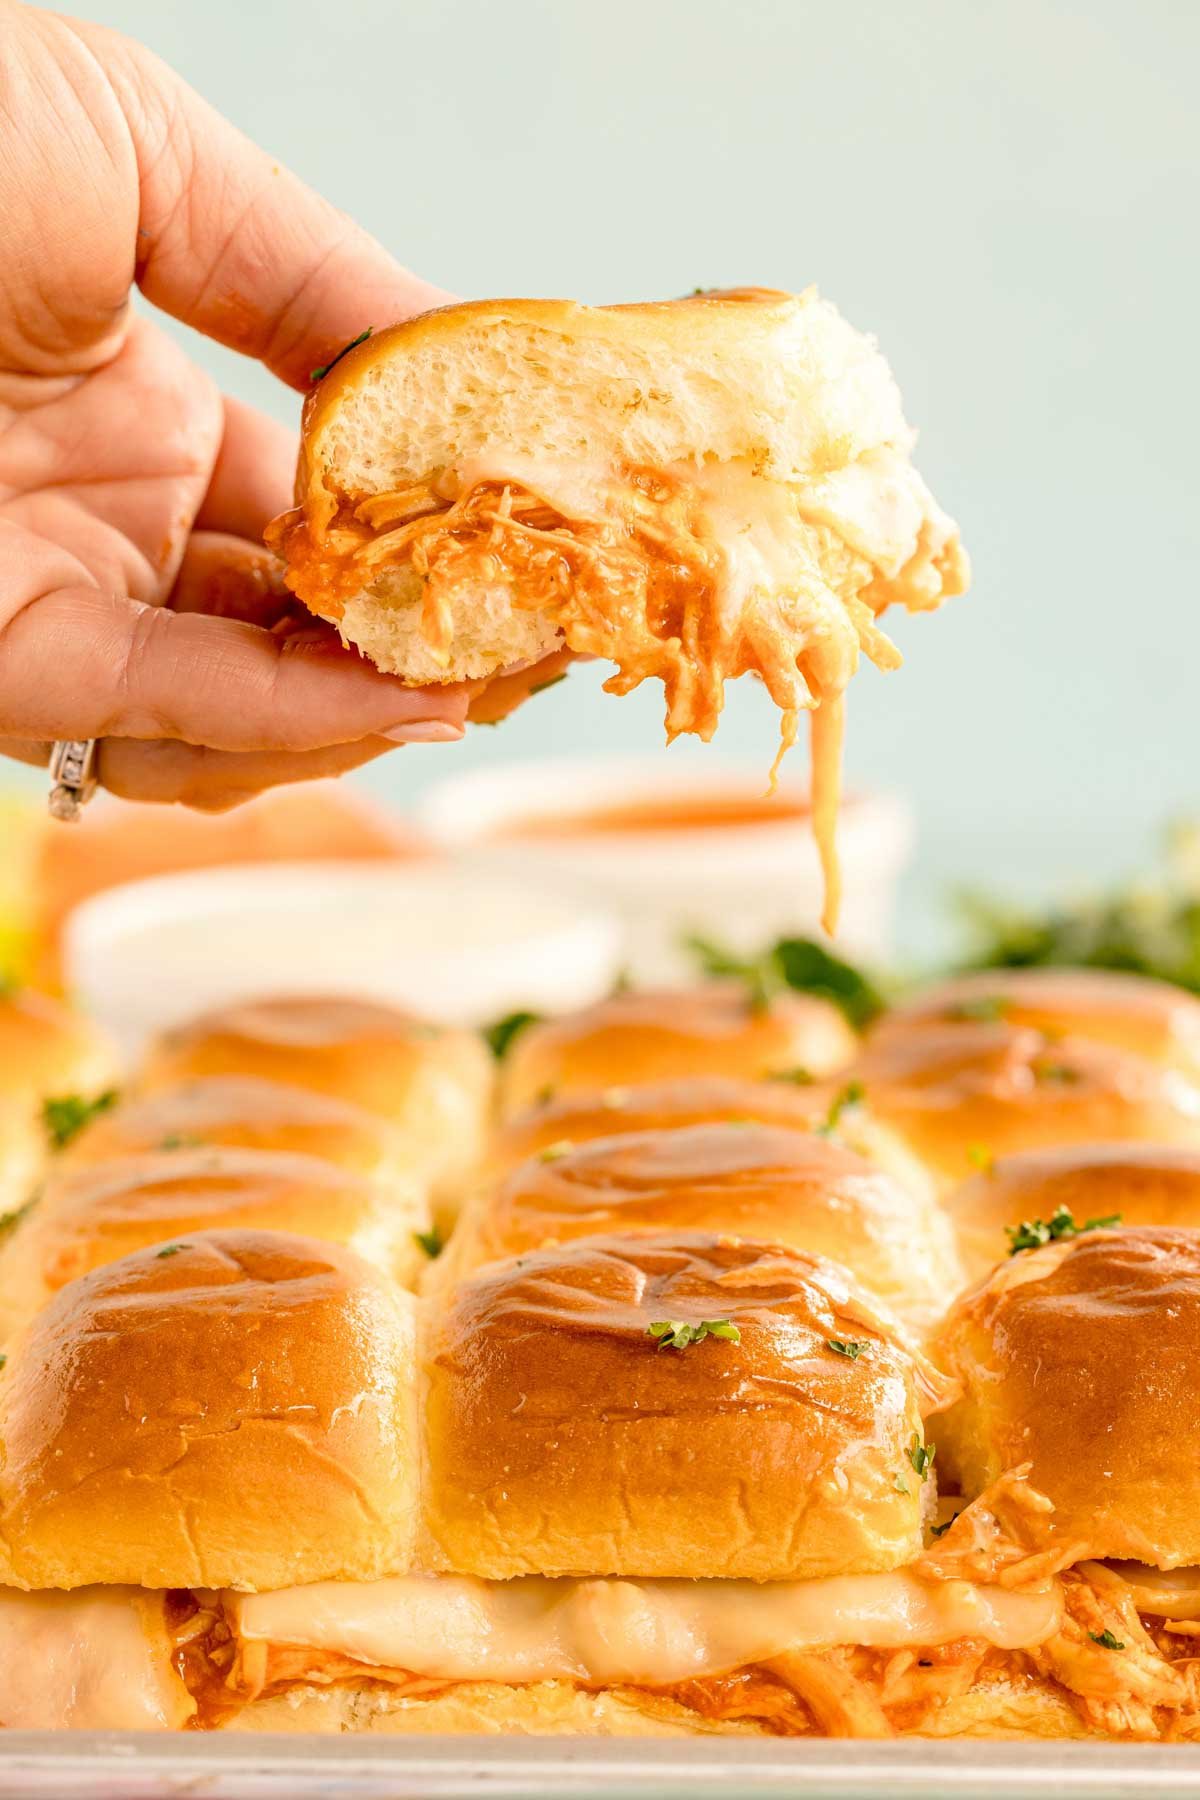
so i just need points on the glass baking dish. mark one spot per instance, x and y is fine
(128, 1766)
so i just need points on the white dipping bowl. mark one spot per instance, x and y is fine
(745, 884)
(442, 941)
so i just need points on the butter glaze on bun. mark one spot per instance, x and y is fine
(739, 1178)
(432, 1083)
(236, 1409)
(1080, 1359)
(563, 1441)
(948, 1095)
(1145, 1184)
(239, 1112)
(1152, 1019)
(652, 1034)
(96, 1214)
(555, 1118)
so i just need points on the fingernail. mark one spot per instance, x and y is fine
(424, 731)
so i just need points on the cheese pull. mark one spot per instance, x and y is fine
(95, 1659)
(644, 1633)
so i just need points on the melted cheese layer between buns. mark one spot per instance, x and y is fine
(649, 1633)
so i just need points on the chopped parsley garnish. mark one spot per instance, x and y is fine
(982, 1009)
(901, 1486)
(499, 1037)
(169, 1250)
(540, 687)
(65, 1115)
(180, 1140)
(800, 964)
(10, 1220)
(3, 1359)
(319, 374)
(845, 1347)
(921, 1456)
(544, 1095)
(556, 1151)
(677, 1334)
(431, 1241)
(981, 1158)
(1031, 1234)
(798, 1077)
(851, 1095)
(938, 1531)
(1061, 1073)
(1106, 1640)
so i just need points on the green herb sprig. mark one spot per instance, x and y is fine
(65, 1115)
(678, 1334)
(319, 373)
(1031, 1234)
(799, 964)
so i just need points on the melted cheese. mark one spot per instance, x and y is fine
(650, 1633)
(97, 1659)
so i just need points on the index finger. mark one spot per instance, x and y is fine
(234, 244)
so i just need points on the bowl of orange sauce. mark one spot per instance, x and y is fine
(673, 851)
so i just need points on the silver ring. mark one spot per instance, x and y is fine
(73, 772)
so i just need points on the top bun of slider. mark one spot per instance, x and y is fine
(431, 1082)
(1079, 1359)
(1153, 1019)
(239, 1112)
(747, 1180)
(563, 1440)
(95, 1214)
(557, 1118)
(692, 490)
(650, 1035)
(236, 1409)
(952, 1096)
(1135, 1184)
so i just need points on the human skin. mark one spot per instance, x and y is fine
(137, 604)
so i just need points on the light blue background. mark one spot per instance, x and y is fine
(1005, 194)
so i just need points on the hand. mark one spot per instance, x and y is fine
(137, 604)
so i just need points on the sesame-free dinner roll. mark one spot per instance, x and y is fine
(736, 1178)
(240, 1112)
(564, 1439)
(431, 1082)
(1063, 1189)
(234, 1409)
(97, 1213)
(956, 1096)
(1153, 1019)
(1078, 1359)
(651, 1035)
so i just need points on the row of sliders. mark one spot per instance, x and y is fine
(767, 1380)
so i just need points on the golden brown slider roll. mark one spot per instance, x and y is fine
(739, 1178)
(1152, 1019)
(956, 1096)
(96, 1214)
(1050, 1194)
(651, 1035)
(47, 1052)
(240, 1112)
(564, 1440)
(432, 1083)
(572, 1118)
(237, 1408)
(1078, 1359)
